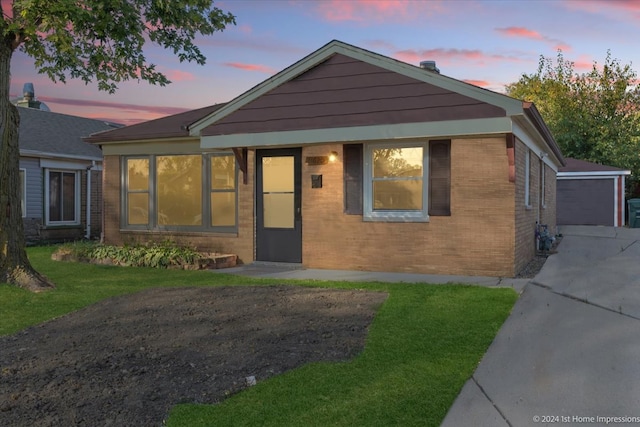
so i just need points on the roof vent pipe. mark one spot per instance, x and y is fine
(430, 66)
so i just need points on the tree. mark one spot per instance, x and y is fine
(90, 40)
(594, 116)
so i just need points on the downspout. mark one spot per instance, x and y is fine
(89, 168)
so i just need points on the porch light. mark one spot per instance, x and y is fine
(333, 156)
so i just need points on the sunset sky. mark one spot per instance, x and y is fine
(486, 43)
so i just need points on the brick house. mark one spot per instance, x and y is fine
(346, 159)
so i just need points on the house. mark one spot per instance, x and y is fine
(590, 194)
(60, 175)
(347, 159)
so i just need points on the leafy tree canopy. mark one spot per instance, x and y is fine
(91, 40)
(594, 116)
(103, 40)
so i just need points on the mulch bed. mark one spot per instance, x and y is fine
(127, 360)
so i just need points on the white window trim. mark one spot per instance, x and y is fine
(23, 199)
(527, 179)
(76, 213)
(369, 214)
(543, 183)
(152, 223)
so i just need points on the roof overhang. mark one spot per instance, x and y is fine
(592, 174)
(45, 155)
(498, 125)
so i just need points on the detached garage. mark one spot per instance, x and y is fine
(590, 194)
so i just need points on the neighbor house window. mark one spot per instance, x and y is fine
(62, 197)
(180, 192)
(23, 192)
(527, 179)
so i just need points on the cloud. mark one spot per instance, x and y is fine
(156, 110)
(250, 67)
(598, 6)
(521, 32)
(179, 76)
(376, 11)
(450, 56)
(7, 8)
(245, 29)
(481, 83)
(527, 33)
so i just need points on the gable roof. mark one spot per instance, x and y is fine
(44, 133)
(442, 107)
(335, 47)
(174, 126)
(583, 166)
(343, 92)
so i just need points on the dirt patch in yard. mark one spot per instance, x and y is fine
(127, 360)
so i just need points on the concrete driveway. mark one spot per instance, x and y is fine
(569, 353)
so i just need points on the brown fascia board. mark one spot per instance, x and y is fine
(532, 113)
(174, 126)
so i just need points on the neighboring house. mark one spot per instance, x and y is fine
(590, 194)
(345, 160)
(60, 175)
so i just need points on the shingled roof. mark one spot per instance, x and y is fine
(576, 165)
(175, 126)
(44, 133)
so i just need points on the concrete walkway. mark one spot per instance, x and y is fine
(293, 271)
(569, 353)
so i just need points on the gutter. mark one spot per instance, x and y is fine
(45, 155)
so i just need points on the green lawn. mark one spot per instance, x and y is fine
(424, 343)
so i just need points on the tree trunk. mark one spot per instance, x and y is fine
(15, 267)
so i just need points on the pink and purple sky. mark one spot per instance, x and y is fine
(483, 42)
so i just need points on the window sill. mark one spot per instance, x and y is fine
(395, 217)
(60, 226)
(528, 207)
(159, 232)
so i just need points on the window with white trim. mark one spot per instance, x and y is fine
(23, 192)
(182, 191)
(527, 179)
(395, 188)
(543, 201)
(62, 197)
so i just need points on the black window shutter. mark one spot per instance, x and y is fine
(352, 154)
(440, 178)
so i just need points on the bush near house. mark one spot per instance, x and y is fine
(167, 254)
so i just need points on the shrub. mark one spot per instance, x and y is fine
(156, 255)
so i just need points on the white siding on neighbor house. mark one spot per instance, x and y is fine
(34, 186)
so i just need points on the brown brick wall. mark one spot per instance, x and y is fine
(241, 244)
(490, 231)
(528, 216)
(548, 215)
(477, 239)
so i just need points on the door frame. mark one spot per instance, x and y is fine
(279, 244)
